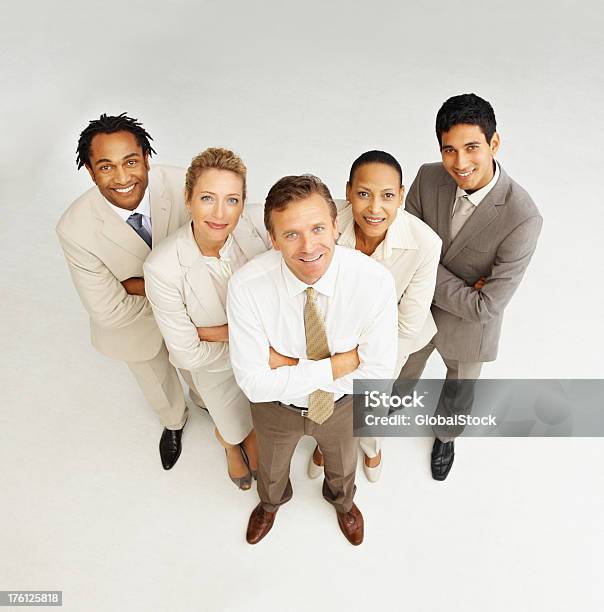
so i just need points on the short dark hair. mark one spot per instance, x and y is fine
(293, 189)
(108, 124)
(466, 108)
(375, 157)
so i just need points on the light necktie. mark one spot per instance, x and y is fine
(135, 221)
(462, 213)
(320, 403)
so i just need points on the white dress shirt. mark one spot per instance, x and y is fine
(397, 236)
(144, 208)
(265, 307)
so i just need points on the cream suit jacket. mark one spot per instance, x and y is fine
(102, 250)
(413, 261)
(496, 242)
(183, 296)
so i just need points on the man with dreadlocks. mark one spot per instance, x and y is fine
(106, 235)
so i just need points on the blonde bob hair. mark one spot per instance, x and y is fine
(214, 157)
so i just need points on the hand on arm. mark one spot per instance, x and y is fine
(103, 296)
(218, 333)
(341, 363)
(480, 283)
(134, 286)
(277, 360)
(346, 363)
(179, 332)
(375, 356)
(489, 299)
(256, 369)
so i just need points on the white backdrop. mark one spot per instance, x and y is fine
(292, 88)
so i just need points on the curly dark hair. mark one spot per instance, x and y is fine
(108, 124)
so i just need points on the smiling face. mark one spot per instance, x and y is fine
(119, 168)
(216, 203)
(375, 195)
(305, 233)
(468, 157)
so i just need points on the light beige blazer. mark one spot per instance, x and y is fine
(102, 250)
(183, 297)
(412, 255)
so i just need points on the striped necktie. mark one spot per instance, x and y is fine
(135, 221)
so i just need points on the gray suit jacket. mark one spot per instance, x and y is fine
(496, 242)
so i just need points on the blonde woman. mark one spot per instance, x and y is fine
(372, 220)
(186, 279)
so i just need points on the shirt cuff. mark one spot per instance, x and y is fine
(319, 371)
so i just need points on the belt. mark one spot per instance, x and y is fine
(304, 411)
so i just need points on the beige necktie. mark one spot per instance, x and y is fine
(320, 403)
(462, 213)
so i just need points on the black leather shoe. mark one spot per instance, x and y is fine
(442, 459)
(170, 447)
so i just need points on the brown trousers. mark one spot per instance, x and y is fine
(279, 430)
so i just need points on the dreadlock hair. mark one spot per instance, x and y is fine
(108, 124)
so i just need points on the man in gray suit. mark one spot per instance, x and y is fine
(489, 227)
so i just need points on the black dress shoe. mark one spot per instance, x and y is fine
(442, 459)
(170, 447)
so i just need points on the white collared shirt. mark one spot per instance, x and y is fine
(144, 208)
(479, 195)
(397, 235)
(265, 307)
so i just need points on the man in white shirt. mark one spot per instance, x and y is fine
(305, 319)
(106, 235)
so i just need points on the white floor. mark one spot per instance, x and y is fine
(87, 509)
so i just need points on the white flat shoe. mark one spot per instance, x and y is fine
(314, 470)
(373, 473)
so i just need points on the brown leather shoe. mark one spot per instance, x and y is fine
(260, 524)
(351, 523)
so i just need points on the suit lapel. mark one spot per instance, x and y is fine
(160, 204)
(446, 198)
(196, 273)
(115, 229)
(483, 216)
